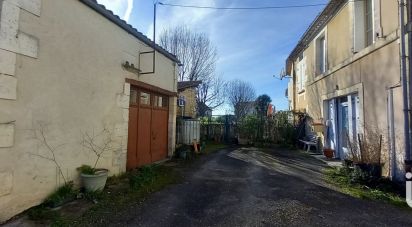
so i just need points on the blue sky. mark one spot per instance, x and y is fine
(252, 45)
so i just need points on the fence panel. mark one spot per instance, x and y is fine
(188, 131)
(219, 128)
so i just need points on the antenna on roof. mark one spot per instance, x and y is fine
(282, 75)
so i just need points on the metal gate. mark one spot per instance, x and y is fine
(219, 128)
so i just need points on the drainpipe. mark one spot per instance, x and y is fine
(404, 79)
(391, 132)
(409, 31)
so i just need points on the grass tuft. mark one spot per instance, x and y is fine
(138, 185)
(380, 190)
(62, 195)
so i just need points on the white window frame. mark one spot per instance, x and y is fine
(360, 37)
(321, 70)
(301, 75)
(372, 25)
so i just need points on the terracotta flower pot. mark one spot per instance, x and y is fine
(328, 152)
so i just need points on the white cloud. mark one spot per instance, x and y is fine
(128, 10)
(123, 8)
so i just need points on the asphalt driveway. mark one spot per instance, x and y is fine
(247, 187)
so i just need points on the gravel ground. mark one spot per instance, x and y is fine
(248, 187)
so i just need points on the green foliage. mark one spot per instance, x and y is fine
(62, 195)
(184, 151)
(116, 179)
(281, 131)
(262, 103)
(86, 169)
(93, 196)
(249, 127)
(146, 175)
(117, 198)
(380, 189)
(42, 213)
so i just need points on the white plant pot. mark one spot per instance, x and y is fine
(94, 182)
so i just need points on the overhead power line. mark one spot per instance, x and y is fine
(243, 8)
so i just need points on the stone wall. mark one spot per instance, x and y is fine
(189, 110)
(61, 66)
(13, 41)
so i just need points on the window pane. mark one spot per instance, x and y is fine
(368, 22)
(133, 97)
(160, 101)
(156, 101)
(144, 98)
(324, 54)
(165, 101)
(321, 43)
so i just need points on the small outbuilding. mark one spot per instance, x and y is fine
(70, 69)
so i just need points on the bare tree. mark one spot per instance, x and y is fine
(210, 94)
(194, 50)
(198, 57)
(241, 96)
(99, 143)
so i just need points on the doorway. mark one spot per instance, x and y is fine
(342, 123)
(343, 127)
(148, 127)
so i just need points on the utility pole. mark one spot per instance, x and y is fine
(153, 52)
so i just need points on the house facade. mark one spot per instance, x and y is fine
(68, 68)
(345, 74)
(187, 93)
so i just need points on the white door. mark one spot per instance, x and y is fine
(331, 125)
(343, 127)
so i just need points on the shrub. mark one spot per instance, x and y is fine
(144, 176)
(367, 148)
(62, 195)
(86, 169)
(248, 127)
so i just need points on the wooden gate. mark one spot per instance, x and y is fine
(148, 128)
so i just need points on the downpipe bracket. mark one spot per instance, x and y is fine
(408, 27)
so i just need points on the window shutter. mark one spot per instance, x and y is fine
(358, 26)
(304, 77)
(377, 18)
(298, 76)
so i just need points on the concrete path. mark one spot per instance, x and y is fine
(247, 187)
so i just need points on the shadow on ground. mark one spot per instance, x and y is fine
(253, 187)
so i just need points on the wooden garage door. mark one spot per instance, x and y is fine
(148, 128)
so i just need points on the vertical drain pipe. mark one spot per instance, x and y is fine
(391, 133)
(409, 31)
(404, 80)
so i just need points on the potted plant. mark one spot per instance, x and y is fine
(93, 178)
(183, 151)
(328, 152)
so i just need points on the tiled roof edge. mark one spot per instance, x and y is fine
(317, 25)
(101, 9)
